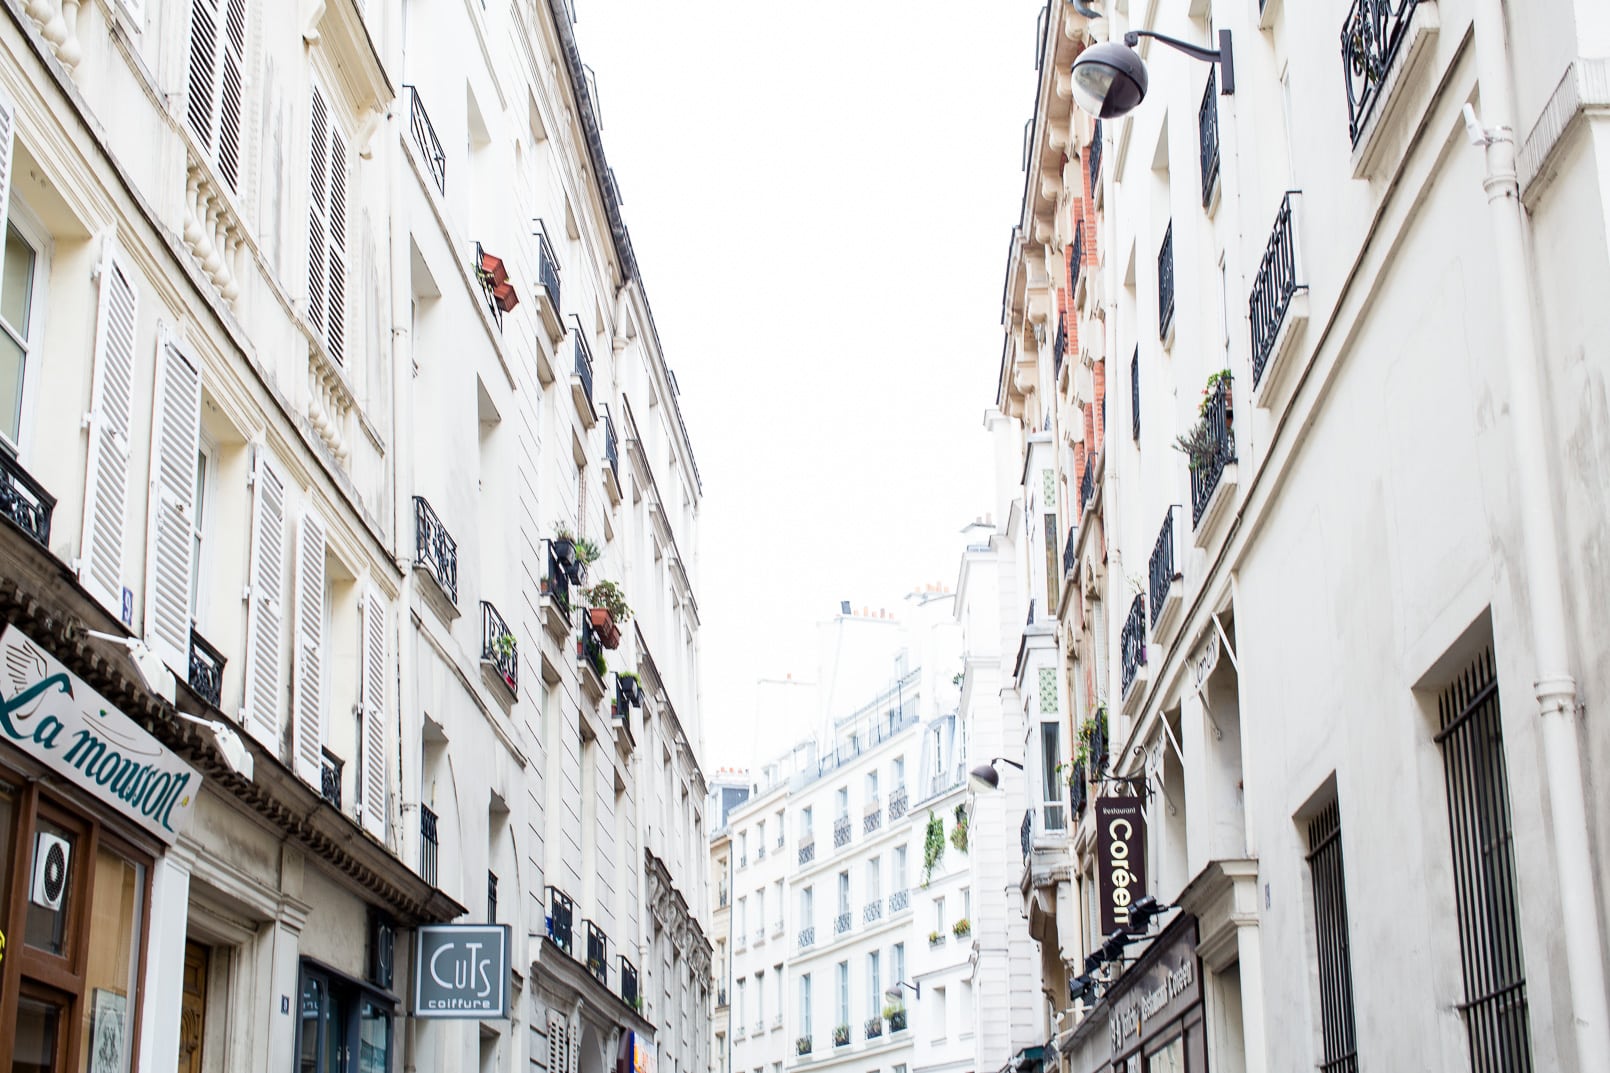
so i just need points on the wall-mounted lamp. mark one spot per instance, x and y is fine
(229, 743)
(984, 777)
(1110, 80)
(153, 672)
(893, 993)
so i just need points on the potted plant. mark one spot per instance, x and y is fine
(564, 545)
(935, 938)
(802, 1045)
(608, 611)
(599, 666)
(897, 1018)
(637, 1003)
(631, 687)
(841, 1036)
(962, 928)
(958, 832)
(505, 296)
(595, 966)
(873, 1027)
(505, 645)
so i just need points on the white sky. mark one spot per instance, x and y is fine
(821, 197)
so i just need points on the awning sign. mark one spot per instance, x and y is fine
(52, 715)
(462, 971)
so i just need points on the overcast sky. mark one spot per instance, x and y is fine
(821, 197)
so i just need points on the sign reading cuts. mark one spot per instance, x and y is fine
(1120, 857)
(461, 971)
(52, 715)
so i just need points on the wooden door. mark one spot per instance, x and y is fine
(193, 1008)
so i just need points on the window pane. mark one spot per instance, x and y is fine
(36, 1047)
(17, 291)
(313, 1002)
(7, 814)
(11, 366)
(47, 927)
(374, 1038)
(109, 978)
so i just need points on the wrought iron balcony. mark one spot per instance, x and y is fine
(841, 832)
(872, 821)
(24, 501)
(1134, 394)
(807, 852)
(556, 582)
(1070, 552)
(491, 897)
(1207, 132)
(1273, 290)
(628, 981)
(1161, 571)
(872, 911)
(807, 936)
(1132, 642)
(597, 953)
(1218, 419)
(428, 846)
(1025, 833)
(1093, 158)
(561, 919)
(499, 648)
(1078, 789)
(897, 803)
(492, 286)
(206, 670)
(1165, 283)
(590, 649)
(1059, 346)
(900, 899)
(1371, 38)
(425, 137)
(1076, 266)
(434, 548)
(1087, 483)
(330, 768)
(611, 446)
(841, 923)
(583, 361)
(548, 270)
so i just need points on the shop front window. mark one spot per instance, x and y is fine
(343, 1028)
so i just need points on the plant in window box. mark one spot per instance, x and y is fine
(962, 928)
(958, 832)
(595, 966)
(897, 1019)
(637, 1003)
(631, 688)
(841, 1035)
(608, 610)
(935, 938)
(802, 1045)
(1198, 443)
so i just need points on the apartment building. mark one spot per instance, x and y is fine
(1335, 276)
(729, 788)
(270, 303)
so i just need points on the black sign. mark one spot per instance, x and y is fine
(462, 970)
(1162, 987)
(1120, 858)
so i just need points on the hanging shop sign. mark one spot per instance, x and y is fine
(1120, 857)
(461, 971)
(52, 715)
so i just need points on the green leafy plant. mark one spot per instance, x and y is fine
(598, 662)
(587, 551)
(933, 846)
(1223, 376)
(962, 928)
(505, 644)
(608, 595)
(935, 938)
(1197, 442)
(891, 1009)
(958, 832)
(637, 1003)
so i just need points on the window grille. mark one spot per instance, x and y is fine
(1331, 937)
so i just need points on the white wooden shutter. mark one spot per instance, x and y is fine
(100, 564)
(558, 1044)
(217, 70)
(171, 518)
(199, 108)
(374, 713)
(318, 214)
(265, 611)
(307, 683)
(233, 50)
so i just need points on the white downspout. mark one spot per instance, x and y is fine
(1555, 687)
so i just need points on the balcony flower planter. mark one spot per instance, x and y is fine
(841, 1036)
(492, 268)
(505, 296)
(897, 1021)
(604, 623)
(802, 1046)
(962, 928)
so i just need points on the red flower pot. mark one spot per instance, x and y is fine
(493, 267)
(604, 624)
(505, 296)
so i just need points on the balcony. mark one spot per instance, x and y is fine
(807, 937)
(548, 307)
(1076, 265)
(430, 147)
(428, 846)
(206, 670)
(1078, 790)
(897, 803)
(841, 923)
(612, 456)
(1134, 395)
(590, 657)
(435, 551)
(841, 832)
(873, 820)
(1132, 645)
(1218, 420)
(561, 918)
(1093, 158)
(1279, 303)
(556, 611)
(24, 501)
(1163, 595)
(1087, 483)
(597, 953)
(1207, 133)
(872, 911)
(899, 900)
(1059, 347)
(1375, 33)
(1165, 287)
(499, 650)
(581, 375)
(807, 852)
(330, 768)
(628, 974)
(491, 897)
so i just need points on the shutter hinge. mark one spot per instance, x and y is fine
(245, 594)
(87, 420)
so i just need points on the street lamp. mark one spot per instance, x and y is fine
(985, 778)
(1110, 80)
(893, 993)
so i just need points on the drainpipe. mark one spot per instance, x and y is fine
(1555, 687)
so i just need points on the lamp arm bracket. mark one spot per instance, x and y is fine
(1223, 55)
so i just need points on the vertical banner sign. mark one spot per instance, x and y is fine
(1120, 858)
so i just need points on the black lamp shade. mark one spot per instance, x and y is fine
(1109, 80)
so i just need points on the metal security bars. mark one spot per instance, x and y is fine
(557, 581)
(807, 937)
(841, 832)
(1205, 474)
(597, 953)
(897, 803)
(1132, 642)
(1093, 155)
(435, 549)
(1134, 395)
(206, 670)
(1371, 37)
(807, 851)
(1161, 570)
(428, 845)
(1472, 739)
(548, 270)
(24, 501)
(561, 918)
(1273, 289)
(841, 924)
(1331, 937)
(1165, 283)
(628, 983)
(1207, 129)
(425, 138)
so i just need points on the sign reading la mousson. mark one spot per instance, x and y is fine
(52, 715)
(1120, 858)
(461, 971)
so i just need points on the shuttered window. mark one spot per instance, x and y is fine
(217, 76)
(374, 714)
(170, 535)
(558, 1045)
(100, 567)
(307, 681)
(327, 229)
(265, 613)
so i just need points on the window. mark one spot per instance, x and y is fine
(760, 909)
(741, 918)
(782, 828)
(843, 799)
(806, 908)
(1472, 739)
(899, 772)
(1330, 935)
(897, 876)
(936, 1019)
(21, 289)
(760, 838)
(844, 993)
(739, 1023)
(343, 1025)
(939, 917)
(217, 76)
(874, 983)
(777, 900)
(874, 888)
(760, 998)
(967, 903)
(743, 849)
(805, 824)
(327, 229)
(844, 892)
(871, 787)
(805, 1005)
(897, 961)
(1050, 757)
(204, 477)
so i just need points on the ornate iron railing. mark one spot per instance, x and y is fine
(1161, 570)
(897, 803)
(1273, 290)
(872, 910)
(900, 899)
(556, 583)
(1059, 346)
(807, 936)
(611, 449)
(24, 500)
(1078, 789)
(491, 897)
(1093, 157)
(841, 832)
(1165, 282)
(1371, 37)
(1218, 419)
(1025, 833)
(425, 135)
(1070, 550)
(435, 549)
(548, 270)
(428, 846)
(206, 670)
(597, 953)
(1132, 642)
(498, 646)
(628, 981)
(1087, 483)
(1134, 394)
(561, 918)
(807, 852)
(872, 821)
(841, 923)
(330, 768)
(1077, 264)
(584, 361)
(1207, 132)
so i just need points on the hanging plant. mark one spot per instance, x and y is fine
(958, 833)
(933, 846)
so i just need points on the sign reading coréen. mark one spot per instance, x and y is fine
(1120, 858)
(52, 715)
(461, 971)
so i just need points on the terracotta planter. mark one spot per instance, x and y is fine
(493, 267)
(604, 624)
(505, 296)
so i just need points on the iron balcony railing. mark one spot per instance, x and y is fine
(841, 923)
(807, 936)
(1077, 264)
(1161, 571)
(897, 803)
(498, 646)
(330, 767)
(872, 821)
(491, 897)
(428, 846)
(1274, 288)
(1218, 418)
(561, 918)
(628, 973)
(1025, 833)
(1070, 553)
(1207, 132)
(841, 832)
(1134, 395)
(1087, 483)
(760, 852)
(1093, 155)
(1098, 746)
(611, 446)
(1165, 282)
(548, 270)
(557, 581)
(1078, 790)
(1132, 642)
(24, 501)
(807, 852)
(1371, 37)
(206, 670)
(488, 286)
(872, 911)
(425, 137)
(1059, 347)
(584, 361)
(591, 648)
(900, 899)
(597, 953)
(435, 549)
